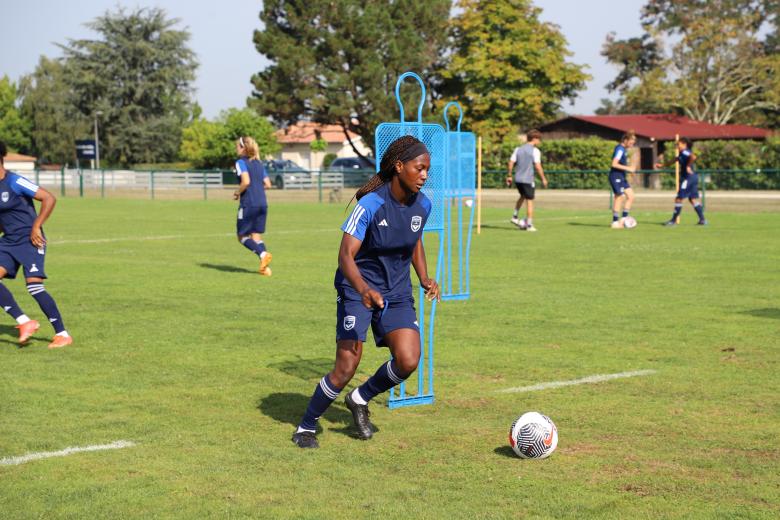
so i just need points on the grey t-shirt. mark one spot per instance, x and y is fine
(524, 158)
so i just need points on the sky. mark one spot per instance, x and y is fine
(221, 36)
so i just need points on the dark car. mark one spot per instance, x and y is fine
(357, 170)
(285, 173)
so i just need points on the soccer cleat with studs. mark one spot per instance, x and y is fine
(61, 341)
(360, 414)
(305, 439)
(265, 260)
(26, 330)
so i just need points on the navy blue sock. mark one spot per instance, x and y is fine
(323, 396)
(8, 302)
(615, 216)
(385, 378)
(256, 247)
(699, 210)
(625, 213)
(46, 302)
(677, 210)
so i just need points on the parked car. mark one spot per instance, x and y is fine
(285, 173)
(357, 170)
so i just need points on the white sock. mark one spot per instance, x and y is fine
(21, 320)
(530, 221)
(262, 255)
(299, 430)
(357, 397)
(64, 334)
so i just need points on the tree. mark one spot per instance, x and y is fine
(138, 75)
(717, 70)
(14, 129)
(337, 62)
(507, 68)
(48, 103)
(210, 144)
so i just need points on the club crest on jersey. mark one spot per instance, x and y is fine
(4, 196)
(416, 223)
(349, 322)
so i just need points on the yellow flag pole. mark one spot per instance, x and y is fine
(479, 185)
(677, 169)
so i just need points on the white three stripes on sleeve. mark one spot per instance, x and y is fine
(24, 183)
(357, 213)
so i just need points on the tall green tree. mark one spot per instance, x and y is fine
(717, 68)
(209, 144)
(14, 128)
(507, 68)
(337, 62)
(138, 73)
(47, 102)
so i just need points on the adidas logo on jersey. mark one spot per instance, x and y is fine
(383, 223)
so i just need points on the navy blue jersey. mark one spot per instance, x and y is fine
(254, 196)
(621, 154)
(389, 232)
(685, 160)
(17, 212)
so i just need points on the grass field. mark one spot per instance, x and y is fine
(184, 350)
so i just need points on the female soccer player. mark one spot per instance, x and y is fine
(624, 195)
(382, 237)
(24, 244)
(253, 206)
(689, 183)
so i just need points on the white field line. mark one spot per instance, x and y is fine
(598, 378)
(281, 232)
(15, 461)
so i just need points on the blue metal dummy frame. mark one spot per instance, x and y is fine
(461, 187)
(434, 138)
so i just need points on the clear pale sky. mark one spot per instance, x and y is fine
(221, 36)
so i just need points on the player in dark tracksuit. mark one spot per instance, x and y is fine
(23, 244)
(382, 238)
(253, 205)
(689, 183)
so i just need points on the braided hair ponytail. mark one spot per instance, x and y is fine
(391, 156)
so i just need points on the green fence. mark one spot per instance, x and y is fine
(323, 184)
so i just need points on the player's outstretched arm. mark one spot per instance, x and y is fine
(347, 251)
(48, 201)
(420, 265)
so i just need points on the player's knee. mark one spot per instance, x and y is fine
(407, 363)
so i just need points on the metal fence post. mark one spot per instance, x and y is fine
(319, 184)
(151, 183)
(37, 176)
(81, 184)
(62, 181)
(205, 188)
(102, 184)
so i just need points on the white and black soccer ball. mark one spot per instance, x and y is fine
(533, 436)
(629, 222)
(523, 223)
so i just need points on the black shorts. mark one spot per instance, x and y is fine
(526, 190)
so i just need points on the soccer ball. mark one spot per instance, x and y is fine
(523, 223)
(629, 222)
(533, 436)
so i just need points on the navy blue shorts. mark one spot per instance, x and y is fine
(23, 254)
(251, 220)
(689, 188)
(353, 319)
(618, 182)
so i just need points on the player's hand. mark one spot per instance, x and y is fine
(432, 289)
(372, 299)
(508, 181)
(544, 182)
(236, 195)
(36, 237)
